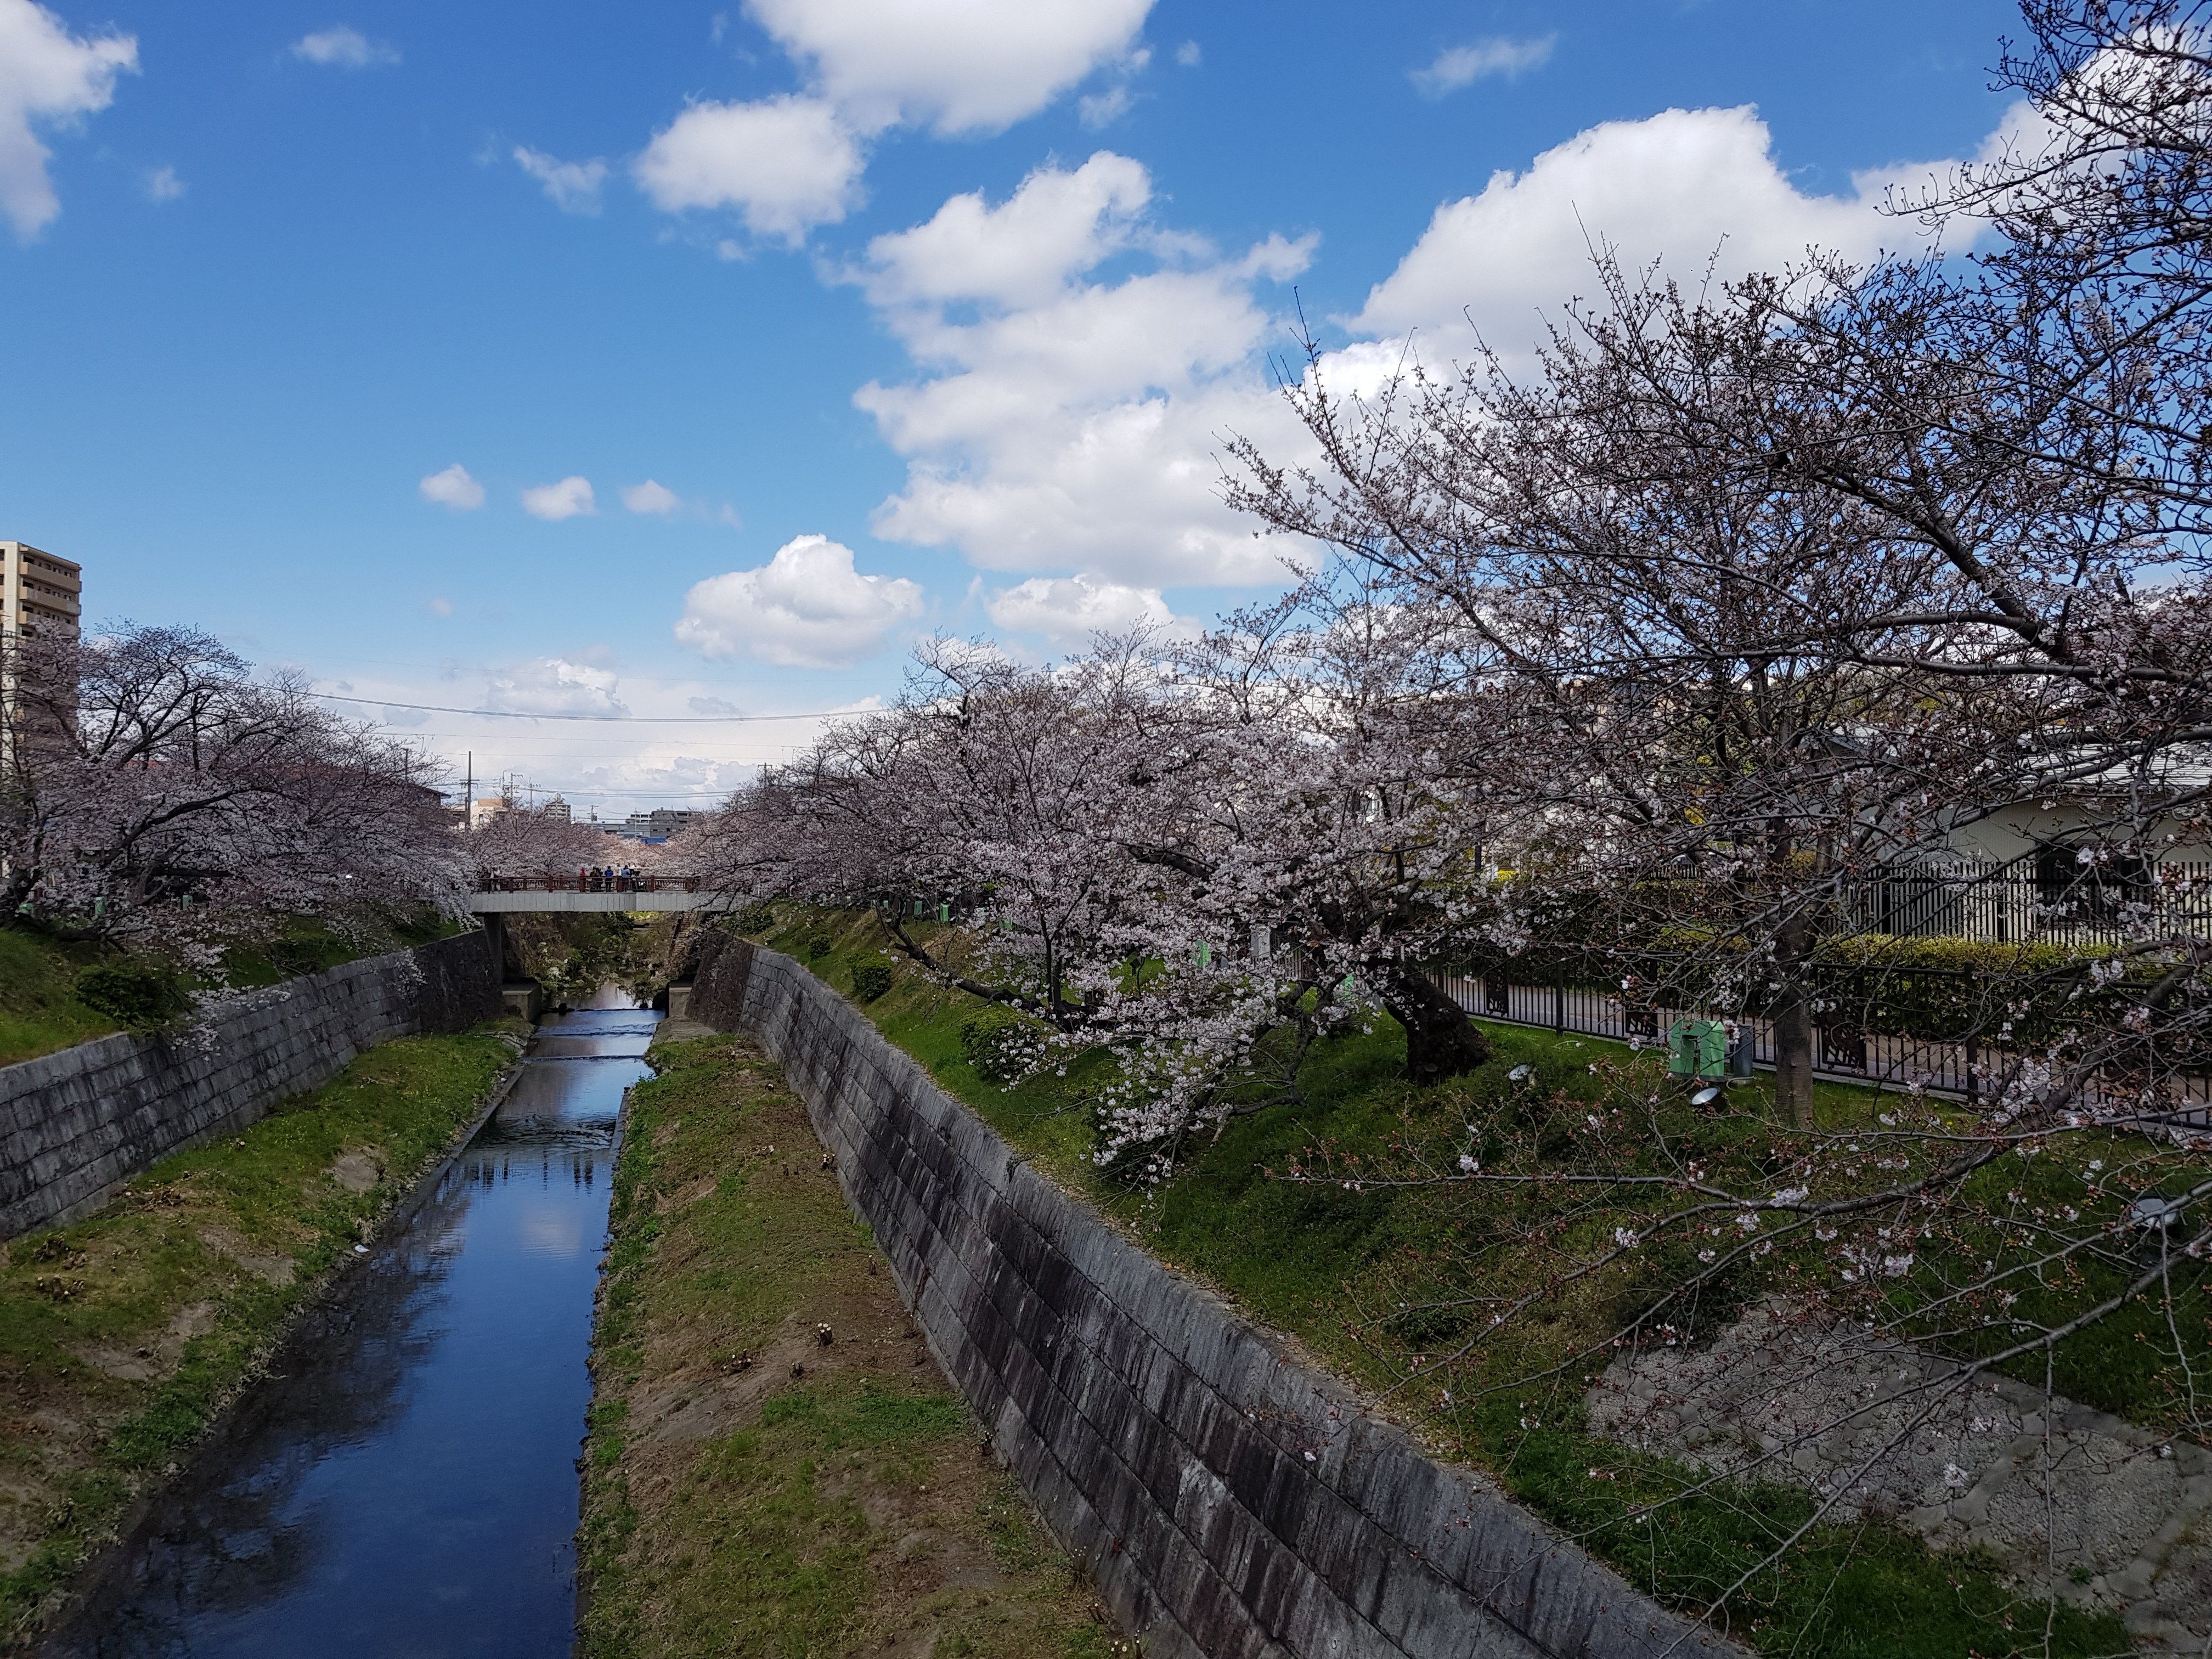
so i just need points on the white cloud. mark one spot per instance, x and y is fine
(658, 776)
(807, 608)
(1681, 185)
(440, 606)
(50, 78)
(1103, 109)
(1078, 369)
(958, 66)
(789, 163)
(341, 47)
(554, 685)
(1188, 55)
(569, 499)
(1462, 66)
(650, 497)
(1072, 421)
(453, 489)
(572, 187)
(784, 164)
(162, 185)
(1070, 610)
(1058, 224)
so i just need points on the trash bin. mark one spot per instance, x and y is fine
(1697, 1048)
(1742, 1051)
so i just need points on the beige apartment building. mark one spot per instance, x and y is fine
(40, 595)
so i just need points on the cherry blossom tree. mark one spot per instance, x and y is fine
(155, 794)
(1707, 675)
(1201, 857)
(1347, 804)
(1010, 790)
(534, 841)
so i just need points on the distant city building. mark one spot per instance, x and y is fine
(40, 595)
(39, 598)
(558, 808)
(485, 808)
(656, 825)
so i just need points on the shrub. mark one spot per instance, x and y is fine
(871, 979)
(139, 993)
(295, 956)
(1938, 987)
(753, 918)
(1942, 987)
(1000, 1044)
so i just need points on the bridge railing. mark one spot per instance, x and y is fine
(585, 881)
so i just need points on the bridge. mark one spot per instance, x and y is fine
(590, 891)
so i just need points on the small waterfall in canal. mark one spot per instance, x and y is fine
(404, 1481)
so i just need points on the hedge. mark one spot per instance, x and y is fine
(1937, 988)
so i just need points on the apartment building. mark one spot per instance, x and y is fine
(40, 595)
(656, 826)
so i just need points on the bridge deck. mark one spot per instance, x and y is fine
(544, 903)
(523, 894)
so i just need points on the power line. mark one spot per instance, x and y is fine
(619, 719)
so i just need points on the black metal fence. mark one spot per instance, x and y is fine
(1964, 1070)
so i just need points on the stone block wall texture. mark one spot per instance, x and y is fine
(1230, 1500)
(76, 1124)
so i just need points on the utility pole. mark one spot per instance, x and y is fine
(469, 795)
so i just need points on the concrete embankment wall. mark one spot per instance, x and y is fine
(1230, 1500)
(75, 1124)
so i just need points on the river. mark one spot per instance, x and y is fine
(404, 1481)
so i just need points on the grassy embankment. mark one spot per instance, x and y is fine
(41, 1011)
(1333, 1266)
(748, 1488)
(308, 947)
(124, 1334)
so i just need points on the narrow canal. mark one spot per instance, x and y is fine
(405, 1483)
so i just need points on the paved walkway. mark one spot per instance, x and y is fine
(2106, 1514)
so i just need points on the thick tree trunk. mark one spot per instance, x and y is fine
(1793, 1024)
(1441, 1041)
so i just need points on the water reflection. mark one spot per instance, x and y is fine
(405, 1483)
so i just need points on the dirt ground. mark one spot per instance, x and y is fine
(776, 1465)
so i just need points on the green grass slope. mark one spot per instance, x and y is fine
(1347, 1265)
(39, 1011)
(748, 1488)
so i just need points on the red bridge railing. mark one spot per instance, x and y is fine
(586, 881)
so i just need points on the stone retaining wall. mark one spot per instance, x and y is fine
(76, 1124)
(1230, 1500)
(2072, 1502)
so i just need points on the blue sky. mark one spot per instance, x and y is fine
(280, 268)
